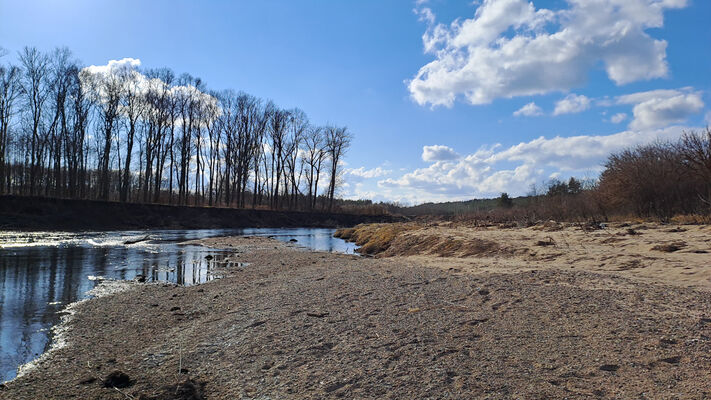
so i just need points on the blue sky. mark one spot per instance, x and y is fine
(446, 99)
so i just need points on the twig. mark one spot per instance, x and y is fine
(180, 357)
(456, 305)
(128, 396)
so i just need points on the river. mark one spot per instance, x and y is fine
(42, 272)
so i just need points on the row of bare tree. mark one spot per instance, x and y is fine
(658, 180)
(661, 179)
(117, 132)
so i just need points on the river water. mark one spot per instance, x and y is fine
(42, 272)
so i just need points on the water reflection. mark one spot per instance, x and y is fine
(42, 272)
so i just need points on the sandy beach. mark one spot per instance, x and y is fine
(678, 255)
(445, 311)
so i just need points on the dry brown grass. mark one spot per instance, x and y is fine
(345, 233)
(442, 246)
(691, 219)
(403, 239)
(374, 238)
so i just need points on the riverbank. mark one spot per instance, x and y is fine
(299, 324)
(38, 213)
(678, 255)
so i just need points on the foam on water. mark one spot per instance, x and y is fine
(13, 239)
(41, 271)
(60, 331)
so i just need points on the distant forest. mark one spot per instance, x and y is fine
(660, 180)
(122, 133)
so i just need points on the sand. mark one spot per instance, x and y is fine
(565, 320)
(632, 250)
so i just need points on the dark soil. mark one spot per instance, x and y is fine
(303, 325)
(37, 213)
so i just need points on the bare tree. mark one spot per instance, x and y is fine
(277, 132)
(106, 90)
(338, 140)
(695, 148)
(172, 105)
(313, 157)
(131, 108)
(189, 109)
(298, 125)
(258, 154)
(61, 70)
(648, 180)
(9, 91)
(159, 119)
(228, 130)
(203, 111)
(75, 149)
(214, 141)
(35, 90)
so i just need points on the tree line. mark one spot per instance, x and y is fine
(119, 132)
(660, 180)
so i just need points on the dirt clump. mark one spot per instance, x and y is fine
(548, 242)
(669, 247)
(117, 379)
(187, 389)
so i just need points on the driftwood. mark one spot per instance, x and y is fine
(143, 239)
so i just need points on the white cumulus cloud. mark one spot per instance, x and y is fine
(510, 48)
(438, 153)
(617, 118)
(493, 170)
(529, 110)
(123, 75)
(114, 66)
(361, 172)
(660, 108)
(572, 104)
